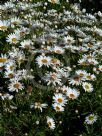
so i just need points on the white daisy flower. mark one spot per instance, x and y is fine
(72, 93)
(87, 87)
(13, 38)
(90, 119)
(89, 56)
(51, 123)
(93, 61)
(4, 25)
(89, 46)
(18, 76)
(69, 40)
(60, 99)
(3, 58)
(22, 31)
(9, 5)
(63, 72)
(9, 74)
(26, 44)
(83, 62)
(40, 106)
(13, 53)
(55, 61)
(20, 58)
(92, 17)
(57, 107)
(64, 89)
(17, 54)
(90, 77)
(53, 78)
(76, 80)
(15, 85)
(81, 74)
(58, 50)
(43, 60)
(15, 21)
(25, 75)
(10, 65)
(6, 96)
(90, 59)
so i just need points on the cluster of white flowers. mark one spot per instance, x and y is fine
(66, 46)
(90, 119)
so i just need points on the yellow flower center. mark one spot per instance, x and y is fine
(89, 57)
(27, 46)
(54, 60)
(22, 33)
(58, 51)
(2, 60)
(84, 63)
(3, 27)
(10, 75)
(81, 74)
(64, 91)
(91, 118)
(14, 23)
(11, 67)
(77, 78)
(87, 87)
(44, 61)
(16, 85)
(49, 123)
(72, 96)
(68, 41)
(90, 45)
(57, 108)
(53, 76)
(53, 1)
(60, 100)
(14, 40)
(89, 77)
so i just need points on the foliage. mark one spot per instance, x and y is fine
(50, 70)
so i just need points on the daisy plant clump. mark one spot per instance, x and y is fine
(50, 69)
